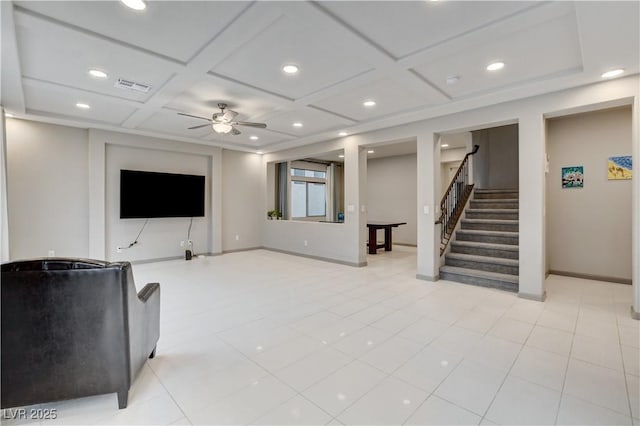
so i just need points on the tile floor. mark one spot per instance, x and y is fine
(265, 338)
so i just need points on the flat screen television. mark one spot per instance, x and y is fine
(151, 194)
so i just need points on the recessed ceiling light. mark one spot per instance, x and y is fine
(83, 106)
(495, 66)
(290, 69)
(97, 73)
(613, 73)
(342, 134)
(445, 145)
(341, 156)
(254, 138)
(370, 151)
(135, 4)
(369, 103)
(453, 79)
(297, 124)
(259, 152)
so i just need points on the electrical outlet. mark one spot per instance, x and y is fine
(52, 253)
(305, 243)
(118, 249)
(237, 237)
(181, 243)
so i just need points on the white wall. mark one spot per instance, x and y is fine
(162, 236)
(48, 193)
(589, 228)
(4, 214)
(242, 207)
(452, 155)
(391, 194)
(496, 162)
(450, 160)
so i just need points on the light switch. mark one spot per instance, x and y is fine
(426, 209)
(351, 208)
(363, 208)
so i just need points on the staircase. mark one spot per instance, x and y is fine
(484, 251)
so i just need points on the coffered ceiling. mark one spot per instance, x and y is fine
(404, 56)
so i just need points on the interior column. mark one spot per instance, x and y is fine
(531, 162)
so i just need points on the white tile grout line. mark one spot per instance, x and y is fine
(564, 379)
(624, 370)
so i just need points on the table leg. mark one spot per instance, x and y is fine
(373, 240)
(387, 238)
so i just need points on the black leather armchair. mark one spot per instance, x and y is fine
(73, 328)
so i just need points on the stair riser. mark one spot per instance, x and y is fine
(492, 215)
(494, 195)
(483, 282)
(490, 226)
(493, 205)
(478, 251)
(482, 266)
(488, 239)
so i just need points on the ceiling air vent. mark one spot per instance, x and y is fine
(121, 83)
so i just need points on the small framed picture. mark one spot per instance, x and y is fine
(573, 177)
(619, 168)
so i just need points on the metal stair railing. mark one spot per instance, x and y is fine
(454, 200)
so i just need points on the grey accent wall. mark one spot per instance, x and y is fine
(48, 192)
(495, 165)
(391, 194)
(162, 236)
(589, 228)
(242, 206)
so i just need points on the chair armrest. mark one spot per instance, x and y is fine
(147, 291)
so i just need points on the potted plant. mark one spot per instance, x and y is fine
(274, 215)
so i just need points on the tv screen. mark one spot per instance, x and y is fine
(150, 194)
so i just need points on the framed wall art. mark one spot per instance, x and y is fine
(573, 177)
(619, 168)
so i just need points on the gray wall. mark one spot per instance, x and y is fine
(589, 228)
(242, 206)
(391, 194)
(48, 192)
(162, 236)
(495, 165)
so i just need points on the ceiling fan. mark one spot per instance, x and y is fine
(222, 122)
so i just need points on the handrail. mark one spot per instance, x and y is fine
(454, 200)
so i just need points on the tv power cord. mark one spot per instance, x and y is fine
(119, 249)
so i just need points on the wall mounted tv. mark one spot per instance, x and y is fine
(151, 194)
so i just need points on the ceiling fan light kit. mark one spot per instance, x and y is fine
(222, 127)
(222, 122)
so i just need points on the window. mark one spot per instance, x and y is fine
(308, 199)
(308, 173)
(308, 193)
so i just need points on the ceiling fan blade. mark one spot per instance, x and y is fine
(229, 115)
(249, 124)
(198, 127)
(235, 132)
(194, 116)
